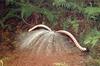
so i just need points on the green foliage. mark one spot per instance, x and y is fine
(92, 37)
(51, 17)
(26, 10)
(67, 5)
(10, 14)
(59, 2)
(92, 12)
(71, 23)
(65, 24)
(73, 6)
(75, 25)
(22, 9)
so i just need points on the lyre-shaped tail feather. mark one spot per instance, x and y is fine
(40, 26)
(73, 38)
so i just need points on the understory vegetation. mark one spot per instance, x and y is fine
(80, 17)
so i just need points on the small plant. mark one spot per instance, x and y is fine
(65, 24)
(92, 12)
(59, 2)
(72, 22)
(75, 25)
(92, 37)
(68, 5)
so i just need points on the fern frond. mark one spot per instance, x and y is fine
(92, 12)
(26, 10)
(92, 37)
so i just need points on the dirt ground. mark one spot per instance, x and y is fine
(26, 59)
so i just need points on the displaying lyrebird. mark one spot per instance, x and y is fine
(41, 39)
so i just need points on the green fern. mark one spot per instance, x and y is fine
(51, 17)
(92, 12)
(59, 2)
(26, 10)
(92, 38)
(70, 5)
(65, 24)
(75, 25)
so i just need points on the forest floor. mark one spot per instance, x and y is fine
(11, 57)
(26, 59)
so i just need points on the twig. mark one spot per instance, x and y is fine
(1, 61)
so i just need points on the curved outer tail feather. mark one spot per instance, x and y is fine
(73, 38)
(40, 26)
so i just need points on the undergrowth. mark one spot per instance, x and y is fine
(91, 38)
